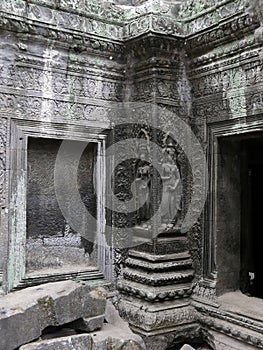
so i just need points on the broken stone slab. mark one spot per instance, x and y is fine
(75, 342)
(115, 335)
(87, 342)
(25, 314)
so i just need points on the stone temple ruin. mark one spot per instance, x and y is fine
(131, 140)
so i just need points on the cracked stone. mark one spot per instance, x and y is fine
(25, 314)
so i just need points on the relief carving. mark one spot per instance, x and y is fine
(143, 187)
(3, 138)
(172, 189)
(255, 10)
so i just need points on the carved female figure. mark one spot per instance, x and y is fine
(143, 188)
(171, 186)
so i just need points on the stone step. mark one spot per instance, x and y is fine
(164, 246)
(159, 257)
(158, 266)
(158, 278)
(25, 314)
(155, 294)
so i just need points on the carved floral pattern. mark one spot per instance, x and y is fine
(41, 108)
(204, 13)
(90, 26)
(54, 83)
(3, 146)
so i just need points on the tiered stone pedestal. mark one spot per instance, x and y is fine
(155, 292)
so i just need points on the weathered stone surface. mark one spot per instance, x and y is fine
(187, 347)
(76, 342)
(88, 324)
(24, 314)
(206, 70)
(109, 338)
(116, 334)
(116, 337)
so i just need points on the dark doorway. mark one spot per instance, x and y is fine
(252, 217)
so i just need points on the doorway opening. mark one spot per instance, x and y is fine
(251, 276)
(239, 214)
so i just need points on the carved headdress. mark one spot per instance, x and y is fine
(143, 144)
(168, 144)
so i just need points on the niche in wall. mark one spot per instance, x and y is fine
(52, 245)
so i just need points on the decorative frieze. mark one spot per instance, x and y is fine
(199, 15)
(220, 34)
(148, 89)
(149, 320)
(241, 334)
(57, 85)
(47, 9)
(47, 109)
(3, 165)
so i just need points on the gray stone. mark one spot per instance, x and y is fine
(187, 347)
(63, 65)
(24, 314)
(116, 334)
(110, 338)
(88, 324)
(75, 342)
(116, 337)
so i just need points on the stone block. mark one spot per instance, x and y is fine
(25, 314)
(75, 342)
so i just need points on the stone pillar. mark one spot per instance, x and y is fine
(156, 285)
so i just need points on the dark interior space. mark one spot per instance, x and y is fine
(239, 219)
(252, 238)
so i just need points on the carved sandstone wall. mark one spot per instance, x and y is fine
(64, 64)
